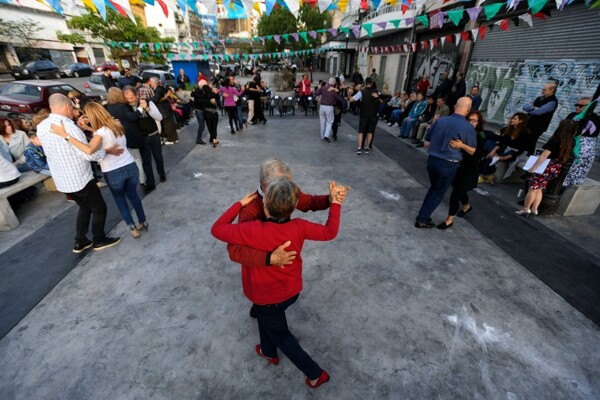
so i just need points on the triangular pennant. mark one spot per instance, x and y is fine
(474, 34)
(333, 31)
(304, 36)
(504, 24)
(345, 29)
(396, 23)
(527, 19)
(368, 29)
(455, 16)
(356, 31)
(457, 38)
(473, 13)
(431, 44)
(535, 6)
(491, 10)
(423, 20)
(482, 31)
(414, 47)
(277, 38)
(269, 6)
(443, 41)
(323, 5)
(382, 25)
(296, 37)
(409, 22)
(540, 15)
(435, 43)
(464, 36)
(313, 34)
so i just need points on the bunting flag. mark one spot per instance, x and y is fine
(474, 34)
(473, 13)
(269, 6)
(100, 7)
(183, 6)
(464, 36)
(53, 4)
(423, 20)
(368, 29)
(504, 24)
(443, 41)
(211, 6)
(356, 31)
(192, 6)
(482, 31)
(89, 4)
(324, 5)
(313, 34)
(333, 31)
(492, 10)
(248, 7)
(382, 25)
(457, 38)
(455, 16)
(292, 6)
(396, 22)
(122, 7)
(535, 6)
(526, 18)
(376, 4)
(513, 4)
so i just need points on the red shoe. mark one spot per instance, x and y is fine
(324, 377)
(272, 360)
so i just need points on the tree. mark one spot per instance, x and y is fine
(281, 21)
(116, 28)
(22, 33)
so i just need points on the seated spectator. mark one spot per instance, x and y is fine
(16, 140)
(426, 115)
(35, 156)
(441, 110)
(385, 110)
(9, 175)
(514, 140)
(184, 101)
(415, 112)
(399, 115)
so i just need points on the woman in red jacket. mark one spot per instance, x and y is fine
(274, 289)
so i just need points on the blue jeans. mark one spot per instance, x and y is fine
(123, 183)
(200, 118)
(441, 174)
(407, 126)
(239, 115)
(274, 333)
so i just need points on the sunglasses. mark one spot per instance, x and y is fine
(580, 105)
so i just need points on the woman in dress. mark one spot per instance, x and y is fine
(467, 172)
(558, 149)
(120, 172)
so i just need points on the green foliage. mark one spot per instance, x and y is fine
(281, 21)
(116, 28)
(72, 38)
(21, 34)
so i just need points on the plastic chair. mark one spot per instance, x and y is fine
(310, 104)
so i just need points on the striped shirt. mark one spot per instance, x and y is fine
(70, 167)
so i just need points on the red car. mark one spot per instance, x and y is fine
(23, 99)
(106, 64)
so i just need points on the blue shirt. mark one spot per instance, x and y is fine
(441, 131)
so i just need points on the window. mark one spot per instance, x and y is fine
(18, 89)
(95, 79)
(169, 77)
(150, 75)
(69, 88)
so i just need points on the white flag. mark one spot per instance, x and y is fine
(527, 19)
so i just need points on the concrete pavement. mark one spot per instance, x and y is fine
(390, 311)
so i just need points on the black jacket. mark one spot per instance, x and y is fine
(108, 82)
(129, 119)
(202, 98)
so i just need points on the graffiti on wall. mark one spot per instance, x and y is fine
(433, 63)
(507, 87)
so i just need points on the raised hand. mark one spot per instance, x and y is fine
(59, 129)
(248, 198)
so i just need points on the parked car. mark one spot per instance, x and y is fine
(76, 70)
(25, 98)
(166, 78)
(235, 68)
(106, 64)
(94, 86)
(36, 70)
(145, 67)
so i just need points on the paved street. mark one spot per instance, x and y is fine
(390, 311)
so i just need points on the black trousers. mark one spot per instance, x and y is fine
(212, 120)
(154, 149)
(91, 206)
(337, 120)
(233, 118)
(274, 333)
(146, 155)
(259, 116)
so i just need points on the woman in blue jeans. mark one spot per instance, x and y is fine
(120, 172)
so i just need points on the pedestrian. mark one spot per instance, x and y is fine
(368, 115)
(149, 126)
(540, 113)
(160, 98)
(127, 79)
(274, 290)
(120, 171)
(443, 160)
(357, 77)
(374, 76)
(467, 172)
(558, 149)
(108, 80)
(329, 95)
(72, 173)
(182, 79)
(304, 90)
(230, 95)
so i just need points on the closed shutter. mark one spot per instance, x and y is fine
(511, 67)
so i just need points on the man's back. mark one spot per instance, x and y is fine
(445, 129)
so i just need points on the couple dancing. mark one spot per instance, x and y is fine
(267, 242)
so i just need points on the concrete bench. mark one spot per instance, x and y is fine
(580, 199)
(8, 219)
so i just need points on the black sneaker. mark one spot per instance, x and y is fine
(359, 151)
(427, 224)
(106, 243)
(81, 246)
(367, 150)
(200, 141)
(148, 189)
(163, 178)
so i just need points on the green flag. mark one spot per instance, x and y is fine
(396, 23)
(492, 10)
(369, 29)
(455, 16)
(286, 37)
(345, 29)
(424, 20)
(535, 6)
(304, 36)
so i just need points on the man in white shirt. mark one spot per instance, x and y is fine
(72, 173)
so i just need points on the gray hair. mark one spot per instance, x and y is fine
(58, 100)
(272, 169)
(154, 80)
(332, 81)
(585, 98)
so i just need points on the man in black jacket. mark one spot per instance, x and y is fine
(169, 129)
(443, 87)
(182, 79)
(107, 79)
(540, 113)
(148, 124)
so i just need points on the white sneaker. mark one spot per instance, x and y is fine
(495, 160)
(100, 184)
(168, 143)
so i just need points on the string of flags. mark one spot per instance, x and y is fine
(431, 21)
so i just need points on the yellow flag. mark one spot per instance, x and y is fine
(90, 5)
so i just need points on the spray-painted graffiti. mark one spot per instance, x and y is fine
(506, 87)
(433, 63)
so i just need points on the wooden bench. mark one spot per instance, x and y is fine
(8, 219)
